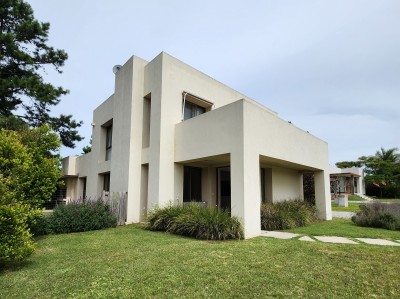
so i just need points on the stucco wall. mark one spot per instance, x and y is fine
(286, 184)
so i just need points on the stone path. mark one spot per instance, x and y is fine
(329, 239)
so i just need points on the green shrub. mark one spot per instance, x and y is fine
(40, 225)
(381, 215)
(81, 216)
(286, 214)
(196, 221)
(15, 239)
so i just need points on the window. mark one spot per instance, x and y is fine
(106, 182)
(84, 183)
(108, 142)
(192, 110)
(192, 184)
(193, 105)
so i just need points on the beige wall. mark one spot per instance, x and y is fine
(287, 184)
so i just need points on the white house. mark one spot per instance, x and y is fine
(347, 180)
(170, 133)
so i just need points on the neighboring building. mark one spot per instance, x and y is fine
(347, 181)
(170, 133)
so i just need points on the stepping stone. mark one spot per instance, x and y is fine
(307, 238)
(338, 240)
(278, 235)
(378, 242)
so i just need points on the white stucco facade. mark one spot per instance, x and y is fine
(179, 135)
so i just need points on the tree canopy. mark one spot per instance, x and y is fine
(24, 56)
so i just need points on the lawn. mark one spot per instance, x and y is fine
(353, 207)
(129, 262)
(345, 228)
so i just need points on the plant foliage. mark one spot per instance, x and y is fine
(196, 221)
(29, 170)
(286, 214)
(15, 239)
(380, 215)
(80, 217)
(24, 56)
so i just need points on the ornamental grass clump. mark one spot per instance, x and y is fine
(287, 214)
(380, 215)
(197, 222)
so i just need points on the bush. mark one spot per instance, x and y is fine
(196, 221)
(81, 216)
(377, 214)
(287, 214)
(15, 239)
(40, 225)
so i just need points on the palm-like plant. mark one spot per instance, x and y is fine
(389, 155)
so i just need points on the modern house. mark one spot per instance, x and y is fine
(347, 181)
(170, 133)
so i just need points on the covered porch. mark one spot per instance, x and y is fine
(218, 182)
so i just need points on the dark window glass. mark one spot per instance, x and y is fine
(192, 110)
(106, 184)
(192, 184)
(108, 143)
(84, 188)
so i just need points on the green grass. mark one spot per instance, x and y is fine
(345, 228)
(355, 198)
(129, 262)
(353, 207)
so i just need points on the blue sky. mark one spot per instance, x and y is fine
(330, 67)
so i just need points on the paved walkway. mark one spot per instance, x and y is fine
(346, 215)
(329, 239)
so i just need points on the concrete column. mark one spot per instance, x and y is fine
(322, 194)
(245, 190)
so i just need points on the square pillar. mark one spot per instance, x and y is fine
(246, 192)
(322, 194)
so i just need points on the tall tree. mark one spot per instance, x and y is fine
(24, 55)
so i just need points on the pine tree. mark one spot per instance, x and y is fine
(24, 55)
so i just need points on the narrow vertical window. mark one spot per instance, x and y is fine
(192, 184)
(108, 142)
(106, 183)
(84, 187)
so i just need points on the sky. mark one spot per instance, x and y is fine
(330, 67)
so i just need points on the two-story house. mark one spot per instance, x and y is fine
(170, 133)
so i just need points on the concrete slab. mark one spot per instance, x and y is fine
(307, 239)
(278, 235)
(338, 240)
(345, 215)
(378, 242)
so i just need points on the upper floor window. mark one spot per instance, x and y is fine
(192, 110)
(194, 106)
(108, 142)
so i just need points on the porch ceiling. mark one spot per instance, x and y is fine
(269, 161)
(217, 160)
